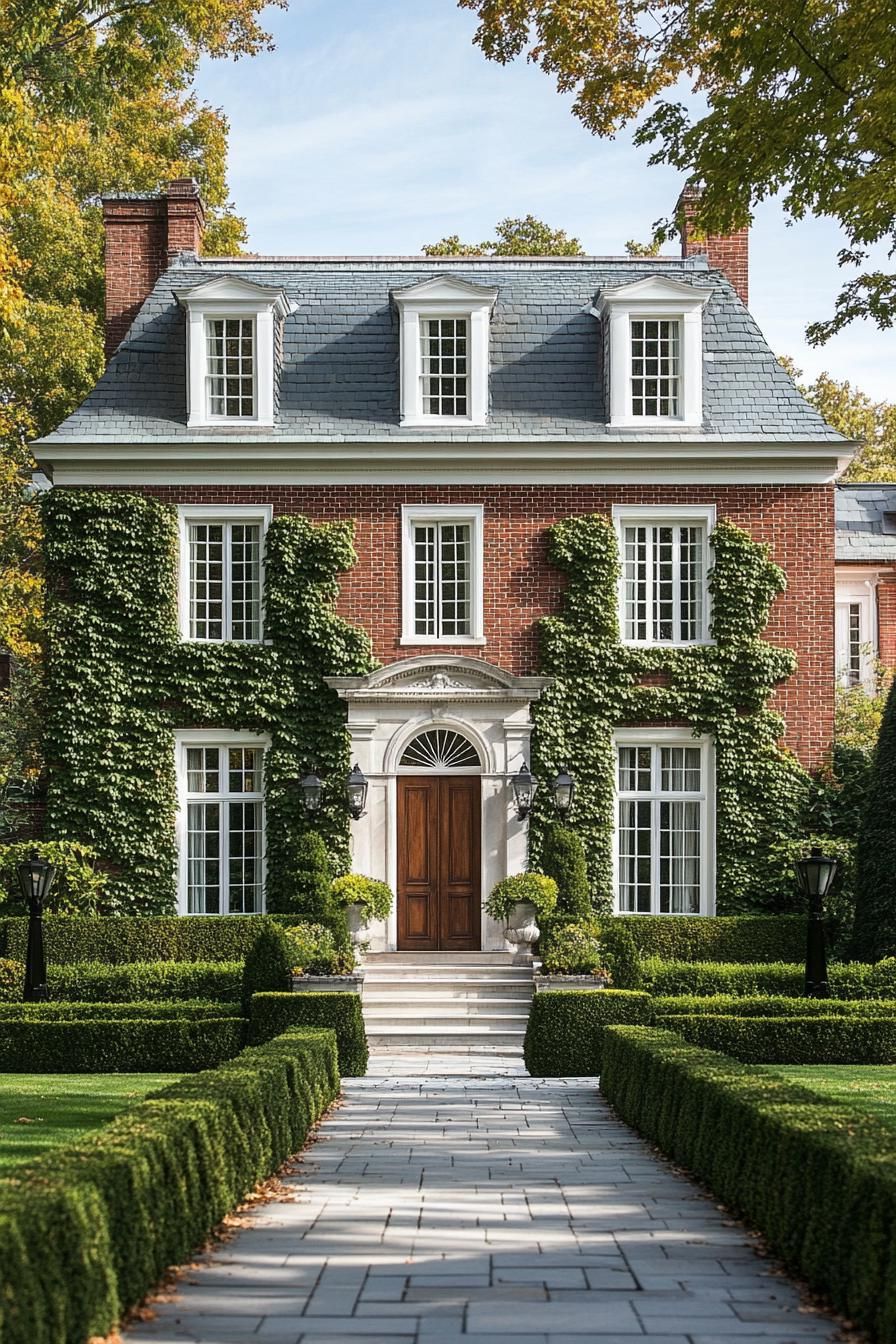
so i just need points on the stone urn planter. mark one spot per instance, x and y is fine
(522, 932)
(357, 925)
(329, 984)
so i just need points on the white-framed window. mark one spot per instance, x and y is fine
(442, 574)
(220, 822)
(855, 632)
(231, 327)
(664, 565)
(444, 352)
(655, 336)
(665, 822)
(230, 368)
(222, 572)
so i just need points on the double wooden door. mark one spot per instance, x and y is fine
(439, 822)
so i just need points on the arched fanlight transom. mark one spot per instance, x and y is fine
(440, 749)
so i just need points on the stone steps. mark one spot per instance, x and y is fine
(446, 1001)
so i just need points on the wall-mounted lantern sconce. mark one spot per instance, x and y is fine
(524, 785)
(356, 793)
(563, 790)
(312, 788)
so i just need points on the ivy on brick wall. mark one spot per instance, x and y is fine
(120, 681)
(721, 689)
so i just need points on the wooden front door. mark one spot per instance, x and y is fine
(439, 819)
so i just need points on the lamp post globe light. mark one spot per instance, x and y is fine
(356, 792)
(815, 875)
(36, 880)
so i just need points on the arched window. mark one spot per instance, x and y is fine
(440, 749)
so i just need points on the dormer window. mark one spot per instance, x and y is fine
(655, 337)
(231, 326)
(444, 352)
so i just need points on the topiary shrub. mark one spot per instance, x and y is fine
(271, 1014)
(77, 889)
(574, 949)
(874, 929)
(311, 878)
(564, 1036)
(534, 888)
(563, 859)
(268, 963)
(313, 951)
(375, 898)
(12, 980)
(622, 954)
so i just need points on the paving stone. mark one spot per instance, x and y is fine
(443, 1207)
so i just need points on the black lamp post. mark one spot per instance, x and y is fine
(311, 787)
(36, 880)
(524, 785)
(356, 792)
(563, 790)
(815, 876)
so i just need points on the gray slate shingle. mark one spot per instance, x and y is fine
(340, 355)
(861, 524)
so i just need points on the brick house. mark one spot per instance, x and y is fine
(866, 581)
(456, 409)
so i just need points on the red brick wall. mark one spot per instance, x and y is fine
(886, 619)
(727, 252)
(520, 586)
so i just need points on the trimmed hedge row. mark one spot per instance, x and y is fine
(271, 1014)
(87, 1231)
(791, 1040)
(855, 981)
(726, 938)
(117, 939)
(772, 1006)
(564, 1036)
(93, 982)
(800, 1168)
(129, 1045)
(189, 1009)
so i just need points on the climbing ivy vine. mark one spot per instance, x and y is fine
(120, 681)
(721, 689)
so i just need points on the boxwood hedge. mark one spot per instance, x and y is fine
(116, 939)
(816, 1178)
(776, 1005)
(271, 1014)
(564, 1036)
(855, 981)
(123, 1045)
(88, 1230)
(92, 982)
(158, 1010)
(728, 938)
(792, 1040)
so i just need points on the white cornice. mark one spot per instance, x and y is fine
(609, 461)
(655, 290)
(445, 289)
(233, 292)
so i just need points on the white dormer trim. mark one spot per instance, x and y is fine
(654, 297)
(444, 296)
(229, 296)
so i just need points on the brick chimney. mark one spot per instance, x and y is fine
(728, 252)
(143, 234)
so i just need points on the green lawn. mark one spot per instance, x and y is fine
(40, 1110)
(869, 1087)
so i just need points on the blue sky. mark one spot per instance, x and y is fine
(376, 126)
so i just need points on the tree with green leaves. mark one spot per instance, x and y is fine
(527, 237)
(874, 931)
(795, 99)
(855, 414)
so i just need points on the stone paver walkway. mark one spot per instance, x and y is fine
(483, 1206)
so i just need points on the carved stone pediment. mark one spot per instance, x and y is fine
(442, 679)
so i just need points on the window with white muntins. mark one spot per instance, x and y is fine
(222, 572)
(220, 822)
(663, 589)
(664, 823)
(231, 327)
(444, 335)
(442, 575)
(855, 631)
(654, 331)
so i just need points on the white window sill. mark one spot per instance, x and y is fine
(231, 422)
(440, 422)
(195, 639)
(667, 643)
(434, 640)
(654, 422)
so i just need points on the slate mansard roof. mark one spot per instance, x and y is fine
(339, 378)
(866, 523)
